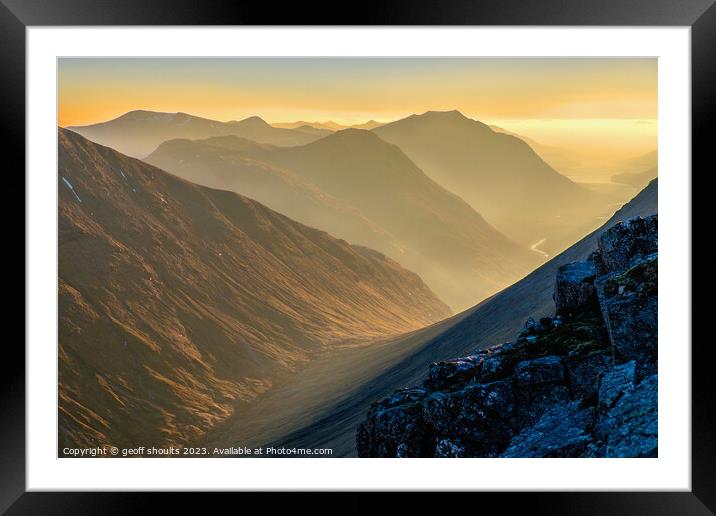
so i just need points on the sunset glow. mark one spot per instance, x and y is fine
(587, 97)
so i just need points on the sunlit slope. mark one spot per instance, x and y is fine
(177, 301)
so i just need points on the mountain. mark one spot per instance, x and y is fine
(138, 133)
(330, 125)
(565, 161)
(637, 179)
(401, 211)
(499, 175)
(179, 303)
(647, 161)
(404, 361)
(221, 162)
(370, 124)
(316, 131)
(325, 126)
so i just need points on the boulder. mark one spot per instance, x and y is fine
(539, 370)
(531, 326)
(539, 384)
(497, 367)
(630, 427)
(480, 416)
(615, 383)
(629, 301)
(395, 432)
(562, 431)
(574, 287)
(626, 243)
(394, 427)
(452, 374)
(583, 373)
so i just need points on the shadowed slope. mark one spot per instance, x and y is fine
(177, 302)
(404, 361)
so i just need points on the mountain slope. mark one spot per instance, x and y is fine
(646, 161)
(138, 133)
(177, 302)
(379, 371)
(221, 163)
(403, 213)
(637, 179)
(499, 175)
(562, 160)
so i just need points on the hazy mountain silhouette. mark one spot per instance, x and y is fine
(378, 371)
(330, 125)
(637, 179)
(178, 302)
(222, 162)
(138, 133)
(316, 131)
(499, 175)
(559, 158)
(640, 163)
(423, 226)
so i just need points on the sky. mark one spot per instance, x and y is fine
(586, 102)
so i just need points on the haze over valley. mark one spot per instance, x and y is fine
(392, 205)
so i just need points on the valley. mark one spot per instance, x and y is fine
(176, 301)
(227, 322)
(496, 320)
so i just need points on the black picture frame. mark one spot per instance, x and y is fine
(17, 15)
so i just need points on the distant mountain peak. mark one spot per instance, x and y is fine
(353, 132)
(256, 121)
(352, 136)
(452, 114)
(138, 133)
(143, 114)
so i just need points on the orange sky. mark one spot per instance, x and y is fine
(591, 98)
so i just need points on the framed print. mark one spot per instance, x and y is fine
(412, 250)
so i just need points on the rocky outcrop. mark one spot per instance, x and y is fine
(628, 302)
(574, 286)
(627, 243)
(580, 384)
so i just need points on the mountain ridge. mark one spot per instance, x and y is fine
(430, 230)
(500, 175)
(137, 133)
(329, 125)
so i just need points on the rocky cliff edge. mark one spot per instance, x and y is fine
(582, 383)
